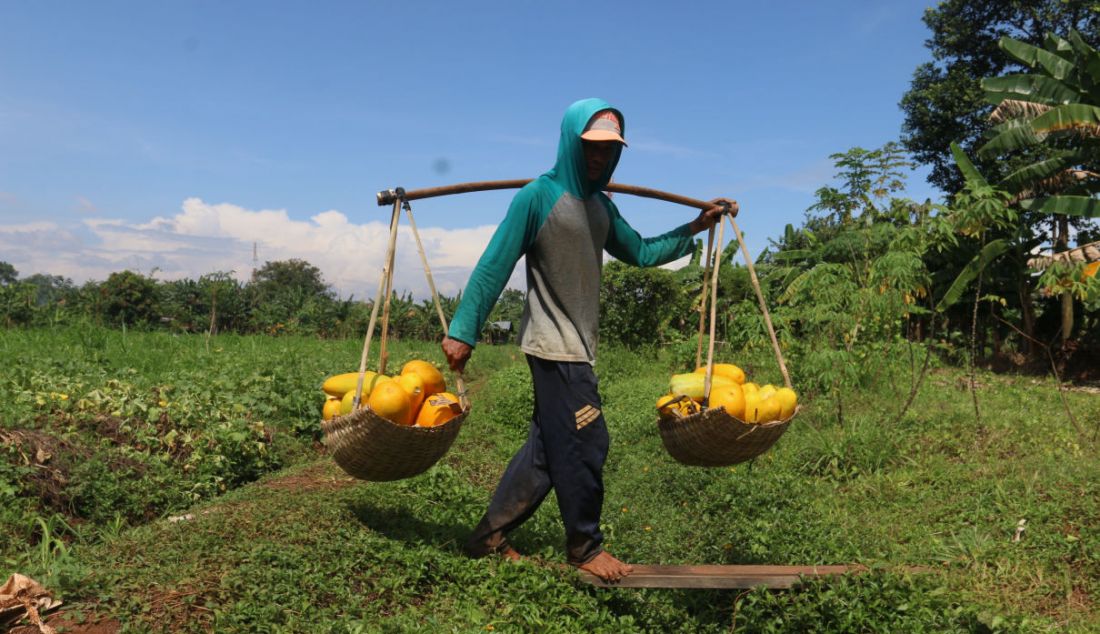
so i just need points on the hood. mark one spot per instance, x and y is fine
(569, 170)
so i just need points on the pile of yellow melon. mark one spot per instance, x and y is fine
(745, 401)
(418, 396)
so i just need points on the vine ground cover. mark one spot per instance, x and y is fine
(270, 535)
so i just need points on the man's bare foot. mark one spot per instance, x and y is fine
(511, 554)
(607, 567)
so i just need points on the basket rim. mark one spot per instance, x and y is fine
(772, 423)
(353, 417)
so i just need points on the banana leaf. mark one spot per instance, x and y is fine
(970, 173)
(1068, 116)
(1058, 45)
(1083, 206)
(1010, 135)
(1036, 88)
(988, 254)
(1033, 56)
(792, 254)
(1030, 174)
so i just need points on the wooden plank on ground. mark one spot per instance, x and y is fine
(718, 576)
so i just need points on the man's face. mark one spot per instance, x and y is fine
(597, 156)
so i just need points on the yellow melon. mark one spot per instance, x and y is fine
(414, 387)
(692, 384)
(768, 409)
(432, 377)
(752, 406)
(730, 398)
(728, 370)
(390, 401)
(438, 409)
(788, 401)
(331, 408)
(368, 386)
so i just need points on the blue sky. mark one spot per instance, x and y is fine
(168, 137)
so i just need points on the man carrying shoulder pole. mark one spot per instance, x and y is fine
(562, 222)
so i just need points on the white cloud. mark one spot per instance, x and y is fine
(28, 228)
(203, 238)
(85, 205)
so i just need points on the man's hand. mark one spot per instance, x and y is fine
(709, 217)
(457, 353)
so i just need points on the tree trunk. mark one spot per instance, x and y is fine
(995, 330)
(1067, 316)
(1067, 299)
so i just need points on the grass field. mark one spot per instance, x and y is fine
(162, 483)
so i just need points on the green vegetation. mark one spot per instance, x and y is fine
(295, 545)
(160, 463)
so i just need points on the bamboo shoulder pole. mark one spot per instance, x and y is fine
(387, 196)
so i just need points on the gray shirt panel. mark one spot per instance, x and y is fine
(562, 312)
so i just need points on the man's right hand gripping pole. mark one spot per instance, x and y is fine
(457, 353)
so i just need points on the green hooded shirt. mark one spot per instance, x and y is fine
(563, 223)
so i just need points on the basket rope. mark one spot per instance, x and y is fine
(703, 298)
(366, 445)
(460, 383)
(714, 302)
(713, 438)
(763, 304)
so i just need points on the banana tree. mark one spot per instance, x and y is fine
(1052, 115)
(1055, 108)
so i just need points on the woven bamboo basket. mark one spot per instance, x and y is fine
(372, 448)
(364, 444)
(711, 437)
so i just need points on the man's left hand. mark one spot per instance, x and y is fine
(709, 217)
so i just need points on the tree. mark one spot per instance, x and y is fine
(945, 102)
(130, 298)
(508, 308)
(637, 305)
(8, 274)
(290, 295)
(281, 277)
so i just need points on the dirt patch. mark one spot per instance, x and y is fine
(322, 476)
(61, 622)
(49, 461)
(175, 609)
(47, 458)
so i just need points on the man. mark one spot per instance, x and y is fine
(563, 222)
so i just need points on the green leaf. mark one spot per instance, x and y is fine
(970, 173)
(1088, 63)
(1058, 45)
(1033, 56)
(1066, 117)
(1030, 174)
(1009, 136)
(991, 252)
(1033, 88)
(792, 254)
(1064, 205)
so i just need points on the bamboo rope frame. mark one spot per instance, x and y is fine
(703, 298)
(390, 247)
(397, 195)
(763, 304)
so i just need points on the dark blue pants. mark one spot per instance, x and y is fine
(565, 450)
